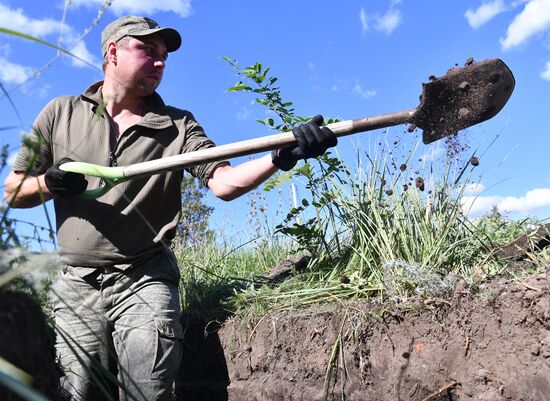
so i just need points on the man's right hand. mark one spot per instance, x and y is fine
(64, 184)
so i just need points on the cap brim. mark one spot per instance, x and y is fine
(171, 37)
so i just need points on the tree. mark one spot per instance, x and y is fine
(195, 214)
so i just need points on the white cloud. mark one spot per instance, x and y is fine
(243, 114)
(532, 201)
(484, 13)
(364, 93)
(142, 7)
(43, 91)
(16, 20)
(385, 23)
(5, 50)
(14, 73)
(474, 188)
(80, 50)
(434, 152)
(517, 3)
(313, 76)
(363, 19)
(476, 206)
(534, 19)
(47, 29)
(546, 73)
(389, 21)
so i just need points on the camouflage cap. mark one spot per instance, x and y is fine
(138, 26)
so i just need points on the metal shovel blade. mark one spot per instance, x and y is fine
(463, 97)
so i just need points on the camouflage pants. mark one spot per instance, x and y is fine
(119, 327)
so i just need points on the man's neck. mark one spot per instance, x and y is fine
(119, 101)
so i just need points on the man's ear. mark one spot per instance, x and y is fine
(112, 52)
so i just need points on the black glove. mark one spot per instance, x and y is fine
(312, 141)
(64, 184)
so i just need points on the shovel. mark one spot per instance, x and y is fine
(463, 97)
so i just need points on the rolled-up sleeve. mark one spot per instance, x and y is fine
(197, 139)
(35, 153)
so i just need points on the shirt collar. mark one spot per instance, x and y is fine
(156, 116)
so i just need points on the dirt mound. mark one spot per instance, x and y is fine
(490, 342)
(27, 342)
(518, 249)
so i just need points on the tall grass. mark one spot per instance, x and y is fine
(380, 229)
(212, 273)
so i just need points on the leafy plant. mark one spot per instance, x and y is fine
(255, 79)
(268, 95)
(498, 229)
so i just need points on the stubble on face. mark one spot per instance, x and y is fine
(146, 57)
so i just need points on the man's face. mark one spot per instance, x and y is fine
(140, 64)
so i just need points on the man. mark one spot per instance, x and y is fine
(116, 298)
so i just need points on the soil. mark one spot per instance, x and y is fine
(419, 182)
(519, 249)
(488, 342)
(28, 342)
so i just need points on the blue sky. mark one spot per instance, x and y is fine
(341, 59)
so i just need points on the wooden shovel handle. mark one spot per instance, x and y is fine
(252, 146)
(115, 175)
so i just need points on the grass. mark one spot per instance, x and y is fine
(375, 231)
(214, 271)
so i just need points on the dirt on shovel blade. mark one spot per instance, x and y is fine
(463, 97)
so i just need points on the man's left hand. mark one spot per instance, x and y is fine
(312, 141)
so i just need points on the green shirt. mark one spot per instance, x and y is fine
(135, 217)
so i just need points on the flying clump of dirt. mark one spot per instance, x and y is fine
(344, 279)
(457, 143)
(419, 182)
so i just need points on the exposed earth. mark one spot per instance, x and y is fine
(489, 342)
(27, 341)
